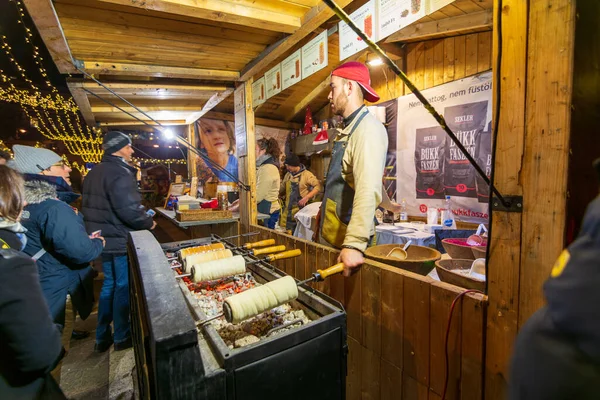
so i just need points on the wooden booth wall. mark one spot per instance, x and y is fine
(396, 327)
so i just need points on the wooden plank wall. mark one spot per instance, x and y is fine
(435, 62)
(532, 155)
(396, 328)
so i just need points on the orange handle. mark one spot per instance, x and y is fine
(262, 243)
(267, 250)
(336, 269)
(284, 255)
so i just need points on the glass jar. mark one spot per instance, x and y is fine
(222, 201)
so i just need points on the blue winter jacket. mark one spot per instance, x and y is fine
(58, 228)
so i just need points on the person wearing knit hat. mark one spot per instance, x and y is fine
(40, 161)
(353, 184)
(299, 186)
(115, 141)
(112, 204)
(56, 238)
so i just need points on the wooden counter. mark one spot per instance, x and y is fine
(174, 230)
(396, 327)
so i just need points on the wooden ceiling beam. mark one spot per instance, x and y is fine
(221, 11)
(44, 16)
(453, 26)
(106, 108)
(138, 123)
(316, 17)
(258, 121)
(301, 105)
(106, 68)
(83, 103)
(149, 86)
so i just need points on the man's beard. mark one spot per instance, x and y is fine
(340, 104)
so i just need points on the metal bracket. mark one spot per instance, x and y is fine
(77, 63)
(515, 204)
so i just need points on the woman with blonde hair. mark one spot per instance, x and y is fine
(30, 343)
(267, 179)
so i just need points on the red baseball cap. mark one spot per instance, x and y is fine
(356, 71)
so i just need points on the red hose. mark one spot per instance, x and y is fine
(448, 334)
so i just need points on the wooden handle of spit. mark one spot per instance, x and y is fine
(267, 250)
(284, 255)
(262, 243)
(336, 269)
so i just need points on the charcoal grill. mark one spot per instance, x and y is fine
(175, 360)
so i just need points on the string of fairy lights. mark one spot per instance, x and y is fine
(146, 161)
(55, 116)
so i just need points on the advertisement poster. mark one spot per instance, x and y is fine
(273, 81)
(397, 14)
(291, 69)
(429, 164)
(239, 104)
(240, 132)
(216, 140)
(314, 55)
(350, 43)
(259, 94)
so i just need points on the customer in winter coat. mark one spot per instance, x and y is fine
(112, 203)
(29, 341)
(557, 352)
(57, 239)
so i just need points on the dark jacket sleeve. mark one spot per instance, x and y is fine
(126, 202)
(66, 232)
(26, 328)
(572, 291)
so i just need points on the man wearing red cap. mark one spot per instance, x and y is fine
(353, 184)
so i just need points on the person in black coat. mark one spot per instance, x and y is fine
(111, 203)
(30, 343)
(557, 352)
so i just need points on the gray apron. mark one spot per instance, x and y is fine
(292, 192)
(336, 208)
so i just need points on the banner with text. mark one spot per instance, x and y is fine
(430, 165)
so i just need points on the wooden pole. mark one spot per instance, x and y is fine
(531, 160)
(191, 163)
(245, 130)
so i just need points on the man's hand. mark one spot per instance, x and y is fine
(303, 201)
(153, 225)
(352, 260)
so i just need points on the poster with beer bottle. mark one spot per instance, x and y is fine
(273, 81)
(314, 55)
(291, 70)
(258, 92)
(350, 42)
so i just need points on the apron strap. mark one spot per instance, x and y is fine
(358, 122)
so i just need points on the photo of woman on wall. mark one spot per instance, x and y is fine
(216, 140)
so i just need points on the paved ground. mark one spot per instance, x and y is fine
(86, 375)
